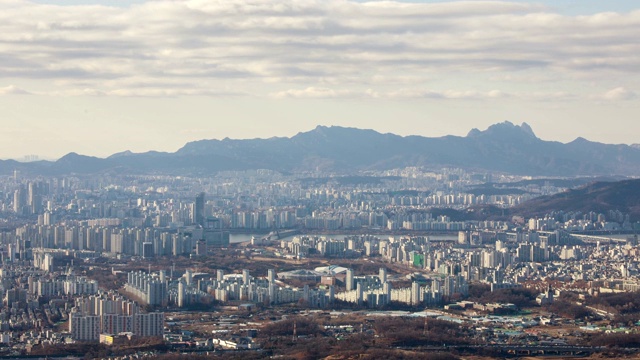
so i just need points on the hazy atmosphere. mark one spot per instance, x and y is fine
(99, 77)
(319, 179)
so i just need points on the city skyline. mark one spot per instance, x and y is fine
(78, 76)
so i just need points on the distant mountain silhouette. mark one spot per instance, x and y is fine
(599, 197)
(503, 147)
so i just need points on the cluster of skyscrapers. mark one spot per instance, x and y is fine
(150, 289)
(110, 313)
(376, 291)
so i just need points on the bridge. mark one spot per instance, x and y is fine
(274, 235)
(592, 239)
(573, 351)
(521, 350)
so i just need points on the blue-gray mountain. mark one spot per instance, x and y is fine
(596, 196)
(599, 197)
(503, 147)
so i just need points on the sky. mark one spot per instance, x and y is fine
(101, 77)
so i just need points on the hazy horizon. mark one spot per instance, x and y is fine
(101, 77)
(26, 157)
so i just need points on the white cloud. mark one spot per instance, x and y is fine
(193, 47)
(13, 90)
(329, 93)
(149, 92)
(446, 94)
(314, 93)
(619, 93)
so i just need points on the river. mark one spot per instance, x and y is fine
(238, 238)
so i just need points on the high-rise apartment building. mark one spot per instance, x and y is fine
(198, 210)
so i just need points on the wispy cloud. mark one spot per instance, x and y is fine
(619, 93)
(314, 92)
(433, 94)
(196, 48)
(13, 90)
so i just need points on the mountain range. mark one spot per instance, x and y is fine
(503, 147)
(596, 196)
(599, 197)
